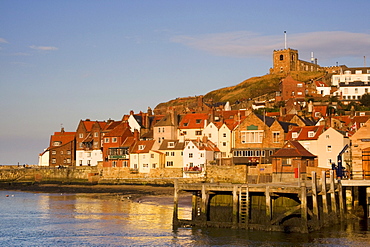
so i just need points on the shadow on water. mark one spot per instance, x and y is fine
(43, 219)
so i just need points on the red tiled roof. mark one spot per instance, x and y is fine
(63, 137)
(147, 146)
(193, 121)
(320, 84)
(302, 132)
(293, 149)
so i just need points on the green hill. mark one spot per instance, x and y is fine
(250, 88)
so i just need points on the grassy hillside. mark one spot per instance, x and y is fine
(250, 88)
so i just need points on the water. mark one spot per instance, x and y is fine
(44, 219)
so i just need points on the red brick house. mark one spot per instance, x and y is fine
(114, 153)
(291, 161)
(62, 149)
(290, 88)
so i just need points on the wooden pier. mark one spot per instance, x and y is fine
(289, 207)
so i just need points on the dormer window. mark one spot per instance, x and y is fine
(185, 124)
(141, 147)
(198, 121)
(171, 144)
(57, 143)
(311, 134)
(294, 135)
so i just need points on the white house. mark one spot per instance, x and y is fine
(352, 91)
(330, 144)
(140, 156)
(351, 75)
(44, 158)
(196, 156)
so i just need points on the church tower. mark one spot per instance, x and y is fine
(284, 61)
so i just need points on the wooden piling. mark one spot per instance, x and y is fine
(324, 195)
(204, 206)
(333, 201)
(314, 196)
(235, 205)
(268, 203)
(175, 203)
(341, 201)
(304, 209)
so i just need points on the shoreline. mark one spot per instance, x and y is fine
(124, 189)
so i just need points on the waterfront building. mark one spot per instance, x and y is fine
(141, 160)
(173, 150)
(348, 75)
(256, 138)
(197, 155)
(61, 150)
(114, 153)
(88, 142)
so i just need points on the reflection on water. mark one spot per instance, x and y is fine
(41, 219)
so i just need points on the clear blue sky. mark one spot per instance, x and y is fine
(62, 61)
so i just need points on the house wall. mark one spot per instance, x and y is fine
(44, 159)
(84, 157)
(177, 158)
(225, 150)
(360, 141)
(336, 141)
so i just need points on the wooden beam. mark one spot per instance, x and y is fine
(268, 203)
(287, 213)
(314, 196)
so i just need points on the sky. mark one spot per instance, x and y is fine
(63, 61)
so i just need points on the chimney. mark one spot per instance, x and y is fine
(136, 135)
(131, 112)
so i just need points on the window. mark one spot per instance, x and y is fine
(198, 121)
(224, 144)
(356, 90)
(299, 85)
(53, 160)
(62, 152)
(286, 161)
(281, 57)
(80, 162)
(81, 135)
(198, 132)
(209, 135)
(152, 156)
(68, 151)
(252, 136)
(141, 147)
(169, 163)
(114, 139)
(167, 153)
(88, 154)
(294, 135)
(172, 153)
(154, 165)
(57, 143)
(328, 148)
(202, 155)
(125, 163)
(96, 134)
(53, 152)
(114, 163)
(159, 130)
(190, 155)
(311, 134)
(171, 144)
(146, 165)
(88, 162)
(276, 137)
(366, 90)
(106, 140)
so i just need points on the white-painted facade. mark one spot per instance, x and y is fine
(44, 158)
(351, 75)
(88, 157)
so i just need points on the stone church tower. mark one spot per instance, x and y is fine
(284, 61)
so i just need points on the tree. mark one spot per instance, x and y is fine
(365, 100)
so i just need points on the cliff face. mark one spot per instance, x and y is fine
(251, 88)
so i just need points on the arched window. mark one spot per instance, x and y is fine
(281, 57)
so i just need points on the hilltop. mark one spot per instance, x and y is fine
(251, 88)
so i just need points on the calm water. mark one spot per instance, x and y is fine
(43, 219)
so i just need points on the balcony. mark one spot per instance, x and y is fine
(194, 169)
(116, 157)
